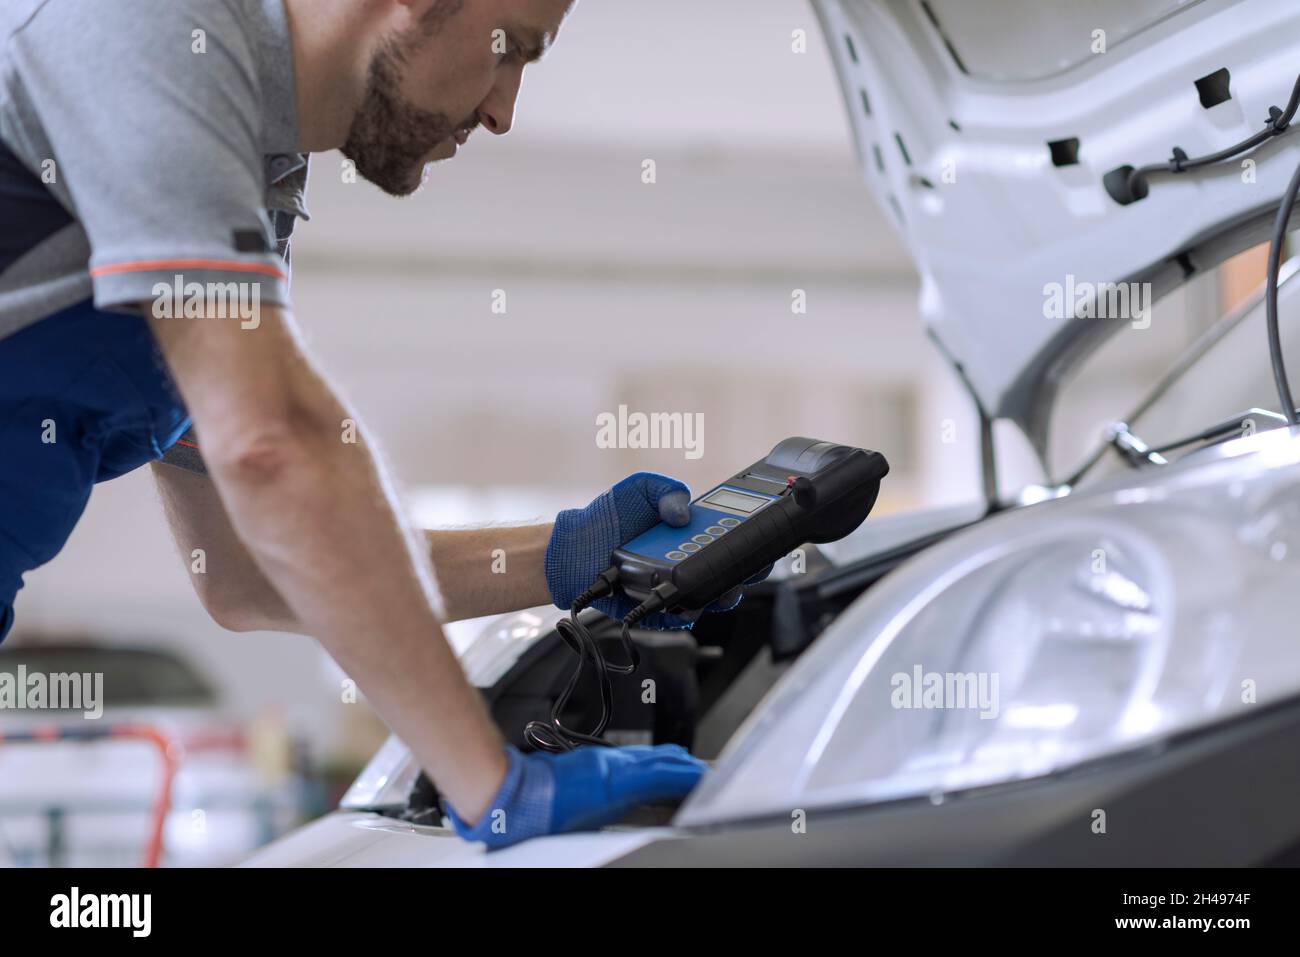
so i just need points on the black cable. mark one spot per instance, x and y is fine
(1278, 122)
(554, 736)
(1275, 251)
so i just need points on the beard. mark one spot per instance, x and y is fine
(390, 138)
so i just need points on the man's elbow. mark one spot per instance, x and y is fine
(236, 620)
(231, 608)
(265, 454)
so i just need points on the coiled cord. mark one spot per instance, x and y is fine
(554, 736)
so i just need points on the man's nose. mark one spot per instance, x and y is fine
(497, 113)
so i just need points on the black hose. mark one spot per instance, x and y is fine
(1279, 121)
(1275, 252)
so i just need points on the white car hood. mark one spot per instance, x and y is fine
(953, 105)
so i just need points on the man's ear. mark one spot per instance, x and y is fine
(413, 10)
(431, 14)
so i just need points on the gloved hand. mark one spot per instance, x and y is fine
(585, 538)
(579, 790)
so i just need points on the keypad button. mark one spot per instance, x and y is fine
(728, 522)
(716, 530)
(702, 539)
(689, 547)
(675, 556)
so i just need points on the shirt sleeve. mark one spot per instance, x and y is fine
(152, 113)
(185, 454)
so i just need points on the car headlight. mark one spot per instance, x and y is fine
(1041, 639)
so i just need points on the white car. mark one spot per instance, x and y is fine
(78, 792)
(1104, 670)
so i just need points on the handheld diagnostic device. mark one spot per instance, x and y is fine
(802, 491)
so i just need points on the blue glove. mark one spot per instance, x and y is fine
(579, 790)
(585, 538)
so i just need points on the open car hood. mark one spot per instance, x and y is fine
(987, 129)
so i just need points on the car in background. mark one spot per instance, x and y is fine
(79, 792)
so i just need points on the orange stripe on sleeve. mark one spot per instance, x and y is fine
(217, 264)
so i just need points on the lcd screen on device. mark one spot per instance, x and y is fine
(740, 502)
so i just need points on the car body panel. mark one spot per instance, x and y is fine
(1193, 596)
(361, 839)
(964, 164)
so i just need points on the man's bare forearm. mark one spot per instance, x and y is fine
(317, 516)
(231, 587)
(491, 570)
(323, 530)
(480, 571)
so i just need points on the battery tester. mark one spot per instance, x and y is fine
(804, 491)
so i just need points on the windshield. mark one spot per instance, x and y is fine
(1223, 377)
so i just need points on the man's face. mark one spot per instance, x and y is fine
(452, 66)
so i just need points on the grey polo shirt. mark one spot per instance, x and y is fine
(142, 141)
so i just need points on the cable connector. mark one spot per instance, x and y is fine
(602, 586)
(661, 597)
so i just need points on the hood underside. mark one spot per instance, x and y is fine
(987, 130)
